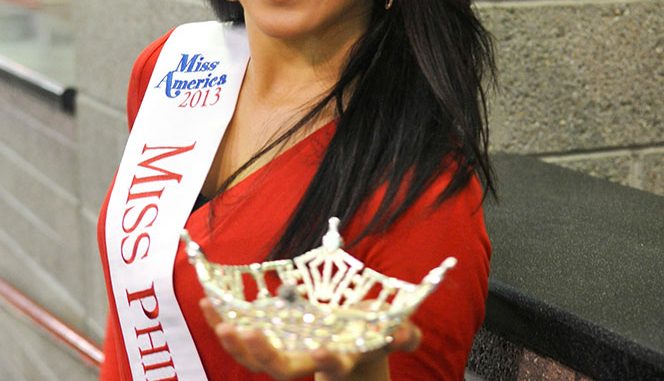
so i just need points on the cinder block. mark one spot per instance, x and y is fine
(638, 168)
(49, 115)
(50, 204)
(653, 171)
(41, 242)
(39, 263)
(52, 245)
(9, 356)
(36, 356)
(102, 133)
(96, 299)
(577, 76)
(616, 167)
(112, 33)
(55, 158)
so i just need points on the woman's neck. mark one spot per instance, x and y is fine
(292, 72)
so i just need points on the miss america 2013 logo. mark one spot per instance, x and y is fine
(194, 78)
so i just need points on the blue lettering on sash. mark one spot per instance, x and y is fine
(193, 72)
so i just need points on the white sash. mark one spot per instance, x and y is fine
(189, 102)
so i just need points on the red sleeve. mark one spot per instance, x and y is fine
(419, 241)
(110, 368)
(140, 76)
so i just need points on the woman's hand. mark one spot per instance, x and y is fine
(253, 350)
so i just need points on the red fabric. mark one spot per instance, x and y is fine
(249, 217)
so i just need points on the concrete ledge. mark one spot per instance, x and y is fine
(576, 269)
(640, 168)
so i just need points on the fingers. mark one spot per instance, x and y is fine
(406, 338)
(235, 345)
(352, 367)
(253, 350)
(211, 316)
(334, 366)
(278, 364)
(229, 337)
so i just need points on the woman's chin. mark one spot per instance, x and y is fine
(296, 19)
(285, 28)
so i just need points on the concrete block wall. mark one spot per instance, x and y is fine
(31, 355)
(55, 171)
(40, 235)
(109, 38)
(581, 85)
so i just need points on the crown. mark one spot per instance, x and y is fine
(327, 297)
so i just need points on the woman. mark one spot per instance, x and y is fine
(371, 111)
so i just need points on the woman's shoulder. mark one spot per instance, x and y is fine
(140, 75)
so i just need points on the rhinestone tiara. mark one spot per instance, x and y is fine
(327, 297)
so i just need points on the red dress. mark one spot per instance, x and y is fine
(249, 217)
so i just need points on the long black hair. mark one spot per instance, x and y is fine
(417, 109)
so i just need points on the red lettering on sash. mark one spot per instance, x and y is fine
(145, 296)
(149, 331)
(134, 196)
(153, 349)
(174, 378)
(136, 244)
(143, 238)
(166, 175)
(161, 365)
(140, 217)
(152, 340)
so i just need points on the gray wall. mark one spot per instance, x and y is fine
(111, 34)
(40, 236)
(579, 87)
(55, 171)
